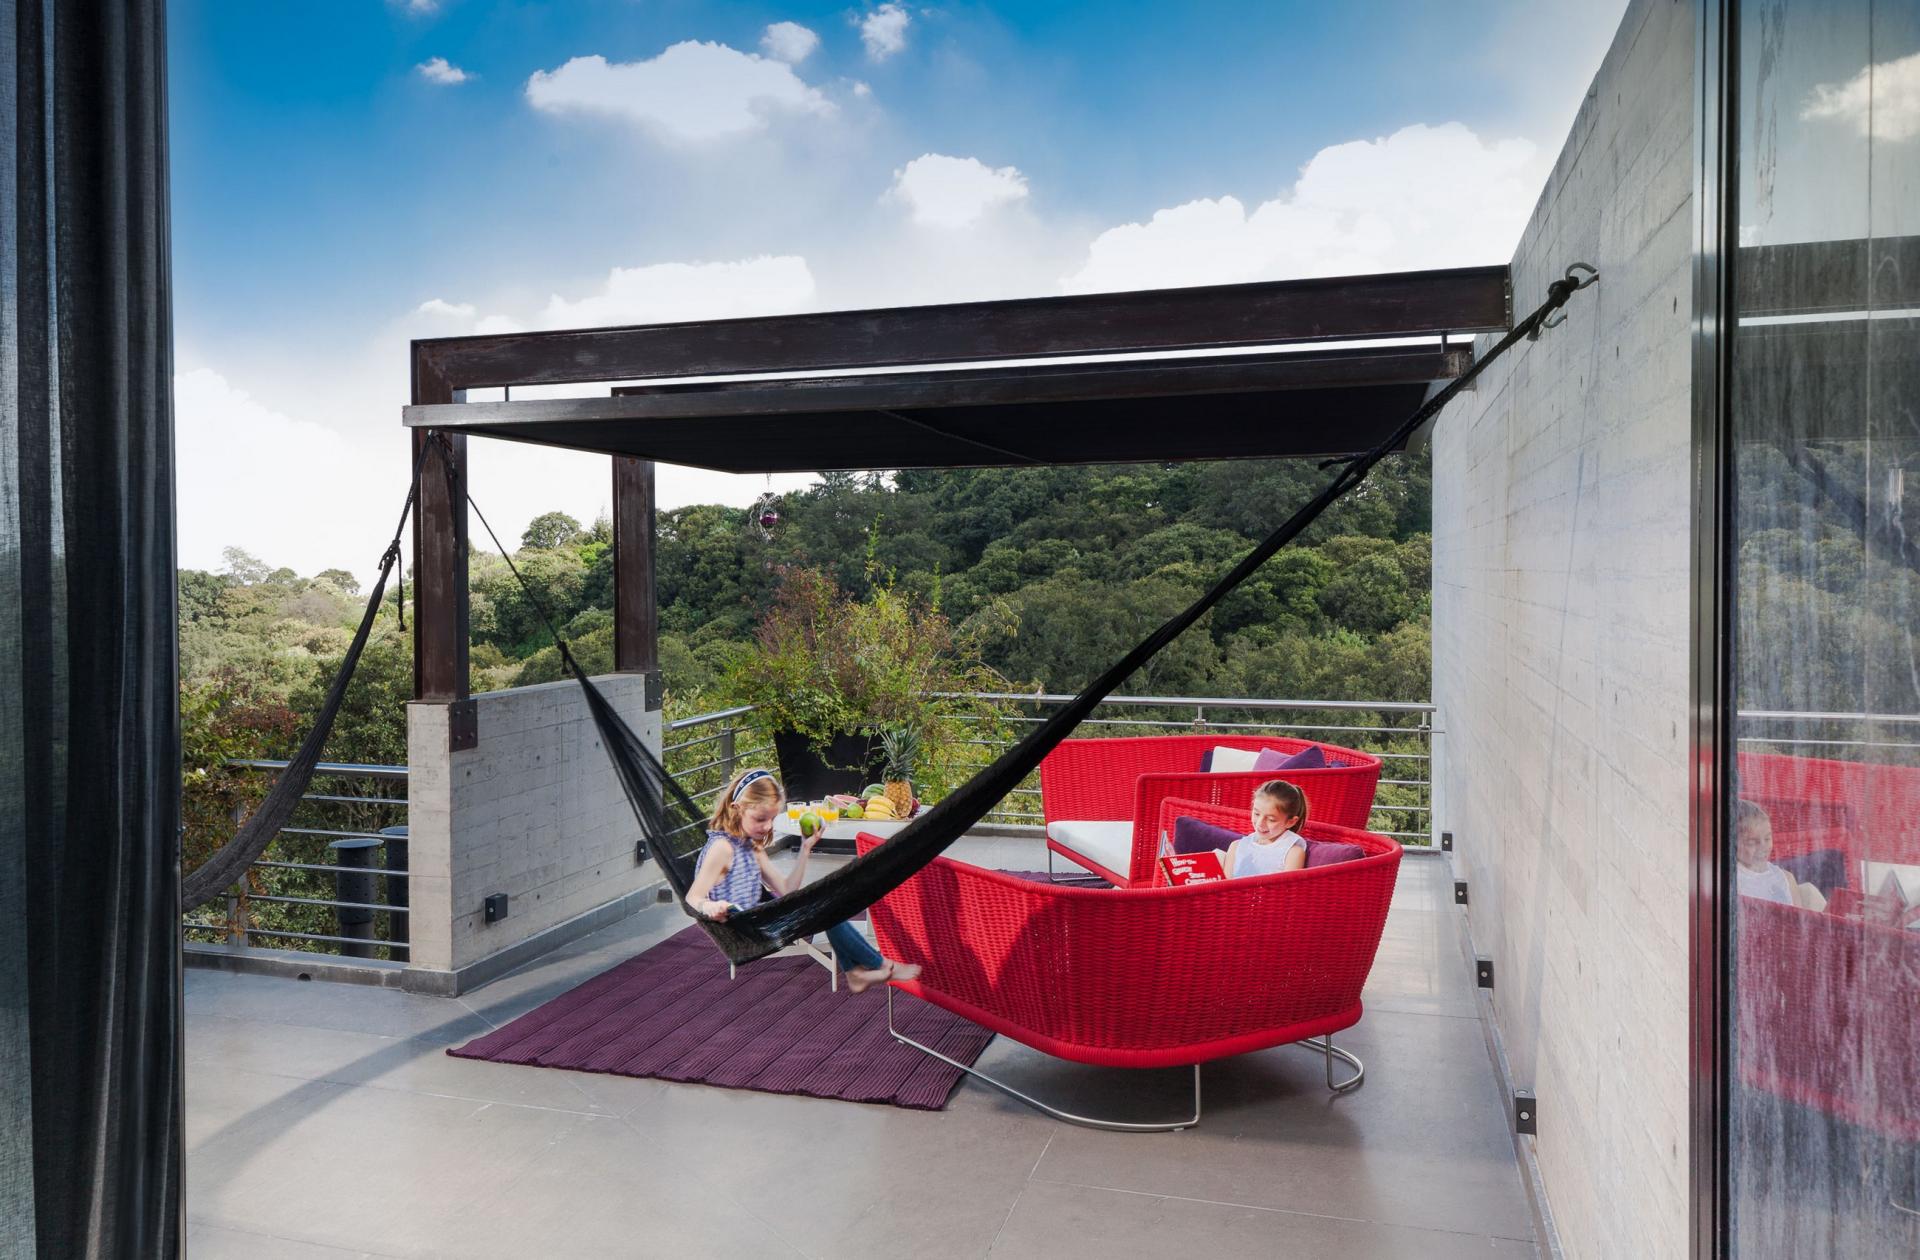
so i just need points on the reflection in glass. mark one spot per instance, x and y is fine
(1826, 426)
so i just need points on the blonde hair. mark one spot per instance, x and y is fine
(1288, 797)
(1750, 816)
(749, 787)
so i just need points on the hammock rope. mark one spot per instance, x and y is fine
(230, 862)
(673, 824)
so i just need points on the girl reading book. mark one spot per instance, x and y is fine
(1273, 844)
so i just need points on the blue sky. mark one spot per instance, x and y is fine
(351, 173)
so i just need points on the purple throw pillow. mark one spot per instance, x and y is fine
(1327, 852)
(1190, 835)
(1309, 758)
(1206, 762)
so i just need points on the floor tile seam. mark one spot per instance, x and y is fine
(292, 1238)
(423, 1093)
(770, 1227)
(192, 1017)
(1019, 1194)
(1257, 1207)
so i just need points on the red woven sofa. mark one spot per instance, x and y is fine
(1144, 977)
(1089, 788)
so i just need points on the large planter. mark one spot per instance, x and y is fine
(851, 762)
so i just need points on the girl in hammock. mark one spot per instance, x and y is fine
(735, 870)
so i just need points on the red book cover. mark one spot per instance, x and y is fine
(1192, 868)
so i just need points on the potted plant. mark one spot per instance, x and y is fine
(827, 674)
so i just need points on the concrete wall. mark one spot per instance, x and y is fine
(1560, 669)
(534, 811)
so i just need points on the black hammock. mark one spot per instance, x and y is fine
(674, 825)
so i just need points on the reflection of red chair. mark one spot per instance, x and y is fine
(1828, 1007)
(1144, 977)
(1868, 811)
(1101, 797)
(1828, 1014)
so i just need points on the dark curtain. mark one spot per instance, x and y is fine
(89, 742)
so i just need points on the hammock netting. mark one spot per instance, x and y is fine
(673, 824)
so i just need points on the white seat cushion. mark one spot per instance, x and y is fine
(1110, 844)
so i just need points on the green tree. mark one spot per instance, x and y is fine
(550, 530)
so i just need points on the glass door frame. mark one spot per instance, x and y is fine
(1710, 672)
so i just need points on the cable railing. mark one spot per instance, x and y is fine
(333, 883)
(1403, 734)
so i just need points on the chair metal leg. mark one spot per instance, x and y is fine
(1091, 1122)
(1331, 1052)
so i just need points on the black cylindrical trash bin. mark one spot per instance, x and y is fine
(354, 883)
(395, 864)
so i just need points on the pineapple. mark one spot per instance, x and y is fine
(902, 748)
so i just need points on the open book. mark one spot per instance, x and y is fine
(1193, 868)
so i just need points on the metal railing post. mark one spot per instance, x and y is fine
(727, 754)
(236, 929)
(353, 883)
(393, 861)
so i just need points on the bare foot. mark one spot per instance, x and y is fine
(904, 971)
(860, 979)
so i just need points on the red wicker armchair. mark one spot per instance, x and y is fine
(1144, 977)
(1089, 786)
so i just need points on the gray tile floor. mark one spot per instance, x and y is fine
(326, 1121)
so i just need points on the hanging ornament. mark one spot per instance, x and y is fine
(764, 515)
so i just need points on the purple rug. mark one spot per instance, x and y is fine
(672, 1013)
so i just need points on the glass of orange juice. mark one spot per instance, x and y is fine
(795, 809)
(829, 811)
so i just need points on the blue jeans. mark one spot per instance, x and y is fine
(850, 949)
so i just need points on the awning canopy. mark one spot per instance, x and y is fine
(1225, 371)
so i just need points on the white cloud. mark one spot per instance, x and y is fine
(951, 192)
(884, 31)
(861, 89)
(440, 70)
(789, 42)
(291, 491)
(672, 291)
(1421, 197)
(420, 8)
(691, 93)
(439, 306)
(1881, 101)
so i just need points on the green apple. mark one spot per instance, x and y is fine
(810, 822)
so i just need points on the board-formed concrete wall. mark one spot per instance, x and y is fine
(534, 811)
(1560, 657)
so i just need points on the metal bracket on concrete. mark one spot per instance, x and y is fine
(463, 725)
(1483, 971)
(656, 690)
(663, 895)
(640, 853)
(496, 907)
(1526, 1112)
(1446, 842)
(1459, 892)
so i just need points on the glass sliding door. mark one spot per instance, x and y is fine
(1821, 850)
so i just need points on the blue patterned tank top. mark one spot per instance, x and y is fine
(740, 886)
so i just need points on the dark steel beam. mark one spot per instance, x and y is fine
(636, 640)
(964, 387)
(1462, 300)
(440, 569)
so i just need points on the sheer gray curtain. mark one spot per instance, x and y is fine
(89, 746)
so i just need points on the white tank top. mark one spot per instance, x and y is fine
(1768, 885)
(1250, 857)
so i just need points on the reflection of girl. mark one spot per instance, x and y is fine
(735, 865)
(1756, 875)
(1273, 845)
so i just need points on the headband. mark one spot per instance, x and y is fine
(747, 779)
